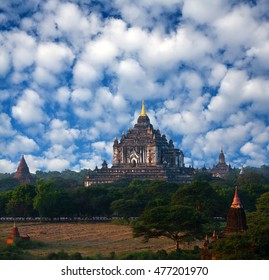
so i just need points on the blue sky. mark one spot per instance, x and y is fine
(73, 74)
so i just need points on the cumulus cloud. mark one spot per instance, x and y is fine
(60, 133)
(18, 145)
(7, 166)
(77, 81)
(54, 57)
(46, 164)
(199, 12)
(62, 96)
(84, 74)
(29, 108)
(6, 129)
(4, 62)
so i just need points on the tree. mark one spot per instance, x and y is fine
(4, 199)
(202, 197)
(258, 226)
(51, 201)
(254, 242)
(125, 208)
(173, 221)
(21, 201)
(234, 247)
(92, 201)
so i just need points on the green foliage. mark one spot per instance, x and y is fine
(4, 199)
(203, 176)
(251, 186)
(200, 196)
(11, 252)
(161, 255)
(62, 255)
(258, 223)
(125, 208)
(71, 178)
(28, 243)
(173, 221)
(92, 201)
(141, 195)
(253, 243)
(7, 182)
(21, 202)
(51, 201)
(234, 247)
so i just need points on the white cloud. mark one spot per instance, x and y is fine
(18, 145)
(103, 147)
(208, 145)
(256, 91)
(46, 164)
(101, 51)
(6, 129)
(23, 47)
(134, 82)
(57, 164)
(81, 95)
(260, 54)
(63, 96)
(44, 77)
(144, 12)
(78, 23)
(6, 166)
(127, 39)
(55, 58)
(4, 62)
(200, 12)
(202, 65)
(236, 31)
(60, 133)
(91, 162)
(229, 97)
(84, 74)
(217, 74)
(28, 109)
(255, 154)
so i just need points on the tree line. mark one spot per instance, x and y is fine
(178, 212)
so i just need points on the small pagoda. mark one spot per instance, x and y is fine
(15, 234)
(236, 218)
(23, 174)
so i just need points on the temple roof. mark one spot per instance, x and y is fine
(23, 173)
(221, 156)
(236, 200)
(143, 110)
(143, 118)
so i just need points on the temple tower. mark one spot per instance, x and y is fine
(23, 173)
(13, 235)
(144, 146)
(222, 168)
(236, 218)
(142, 152)
(221, 157)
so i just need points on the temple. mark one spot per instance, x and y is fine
(236, 218)
(23, 174)
(143, 153)
(222, 168)
(15, 234)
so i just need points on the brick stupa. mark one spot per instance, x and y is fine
(23, 173)
(236, 218)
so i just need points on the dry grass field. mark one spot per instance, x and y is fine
(87, 238)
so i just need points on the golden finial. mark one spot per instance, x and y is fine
(143, 111)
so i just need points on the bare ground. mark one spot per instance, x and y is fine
(88, 239)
